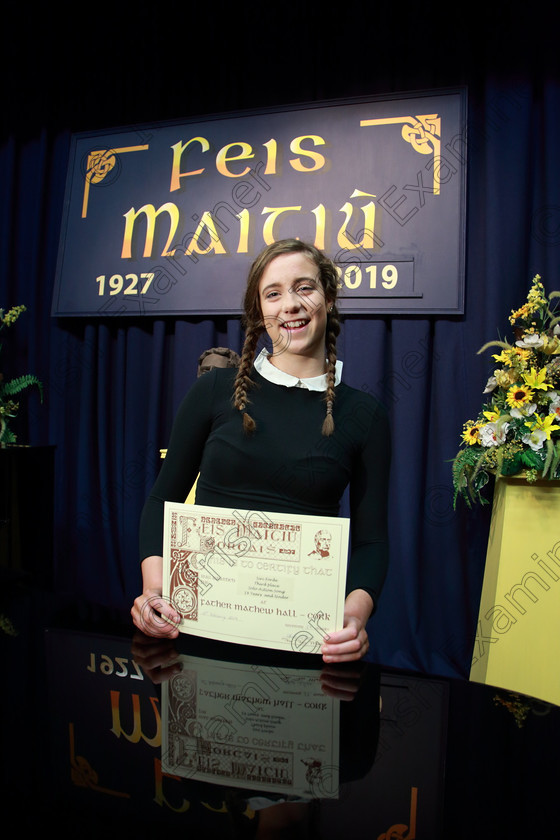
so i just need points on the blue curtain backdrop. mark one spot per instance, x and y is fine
(113, 385)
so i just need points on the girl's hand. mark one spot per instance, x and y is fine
(154, 616)
(352, 641)
(151, 613)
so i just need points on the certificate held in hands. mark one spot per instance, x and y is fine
(273, 580)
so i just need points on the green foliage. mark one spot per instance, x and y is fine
(468, 478)
(9, 407)
(15, 386)
(6, 626)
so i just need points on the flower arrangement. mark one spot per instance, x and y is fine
(8, 406)
(517, 432)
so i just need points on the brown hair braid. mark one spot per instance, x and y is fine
(243, 379)
(333, 329)
(254, 326)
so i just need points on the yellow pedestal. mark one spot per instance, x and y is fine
(517, 644)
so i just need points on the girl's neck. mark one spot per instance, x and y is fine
(302, 367)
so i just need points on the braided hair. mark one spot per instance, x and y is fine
(254, 325)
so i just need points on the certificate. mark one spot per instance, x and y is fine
(274, 580)
(259, 728)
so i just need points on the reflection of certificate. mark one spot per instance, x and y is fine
(256, 727)
(269, 579)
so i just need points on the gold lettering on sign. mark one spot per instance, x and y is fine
(98, 166)
(423, 132)
(83, 774)
(368, 239)
(399, 831)
(160, 798)
(137, 733)
(150, 215)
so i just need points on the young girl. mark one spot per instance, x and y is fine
(282, 434)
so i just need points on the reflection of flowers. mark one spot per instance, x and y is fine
(520, 706)
(518, 428)
(6, 626)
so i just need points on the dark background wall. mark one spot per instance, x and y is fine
(112, 386)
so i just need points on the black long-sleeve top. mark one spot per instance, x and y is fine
(285, 466)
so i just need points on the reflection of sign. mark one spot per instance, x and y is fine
(167, 218)
(400, 831)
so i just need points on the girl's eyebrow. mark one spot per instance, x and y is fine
(278, 283)
(267, 288)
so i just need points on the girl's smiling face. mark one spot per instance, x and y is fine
(294, 311)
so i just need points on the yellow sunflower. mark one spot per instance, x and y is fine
(471, 433)
(522, 356)
(519, 395)
(513, 356)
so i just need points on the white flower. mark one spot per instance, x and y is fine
(530, 341)
(524, 411)
(491, 385)
(535, 440)
(490, 436)
(554, 407)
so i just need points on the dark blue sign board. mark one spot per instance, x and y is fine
(166, 219)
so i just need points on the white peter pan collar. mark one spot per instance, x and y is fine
(278, 377)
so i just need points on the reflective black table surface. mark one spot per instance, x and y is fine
(106, 733)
